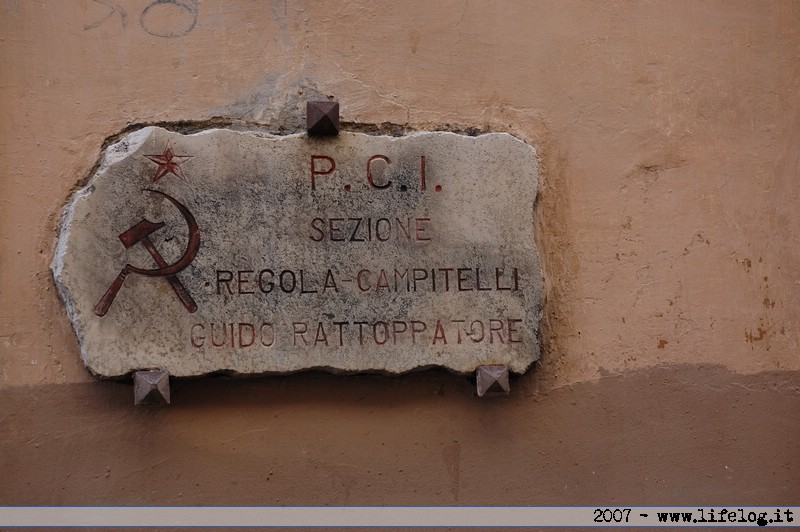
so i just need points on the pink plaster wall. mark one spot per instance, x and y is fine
(668, 223)
(668, 134)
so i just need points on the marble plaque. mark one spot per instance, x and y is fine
(249, 253)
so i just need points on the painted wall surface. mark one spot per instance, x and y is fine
(668, 136)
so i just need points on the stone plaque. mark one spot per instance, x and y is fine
(251, 253)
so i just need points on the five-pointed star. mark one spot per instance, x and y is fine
(168, 163)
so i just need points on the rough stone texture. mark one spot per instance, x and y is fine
(356, 253)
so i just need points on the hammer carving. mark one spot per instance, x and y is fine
(141, 233)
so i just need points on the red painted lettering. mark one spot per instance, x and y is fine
(318, 221)
(252, 331)
(417, 327)
(315, 171)
(499, 272)
(512, 331)
(360, 331)
(369, 171)
(321, 337)
(266, 287)
(458, 328)
(382, 282)
(341, 325)
(242, 281)
(478, 281)
(352, 229)
(462, 278)
(397, 330)
(284, 283)
(226, 282)
(388, 232)
(334, 229)
(242, 335)
(330, 282)
(385, 332)
(303, 285)
(196, 339)
(438, 333)
(355, 229)
(495, 326)
(446, 277)
(300, 329)
(224, 336)
(473, 335)
(419, 275)
(421, 227)
(365, 273)
(400, 275)
(271, 334)
(403, 230)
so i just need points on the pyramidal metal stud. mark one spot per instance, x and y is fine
(150, 387)
(492, 380)
(322, 118)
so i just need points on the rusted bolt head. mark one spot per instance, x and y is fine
(322, 118)
(150, 387)
(492, 380)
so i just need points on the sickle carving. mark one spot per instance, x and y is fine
(141, 233)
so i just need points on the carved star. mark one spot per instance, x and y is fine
(169, 163)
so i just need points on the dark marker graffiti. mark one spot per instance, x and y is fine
(160, 18)
(180, 26)
(113, 7)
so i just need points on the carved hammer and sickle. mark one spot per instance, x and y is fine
(141, 233)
